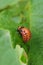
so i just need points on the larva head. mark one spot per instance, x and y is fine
(20, 30)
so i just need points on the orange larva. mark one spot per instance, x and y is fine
(26, 34)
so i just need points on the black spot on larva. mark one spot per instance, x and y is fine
(24, 31)
(20, 30)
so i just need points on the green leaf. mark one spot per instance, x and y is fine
(27, 13)
(9, 55)
(13, 17)
(5, 3)
(36, 25)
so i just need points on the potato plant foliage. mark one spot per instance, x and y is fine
(15, 13)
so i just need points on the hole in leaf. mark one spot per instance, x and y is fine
(24, 57)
